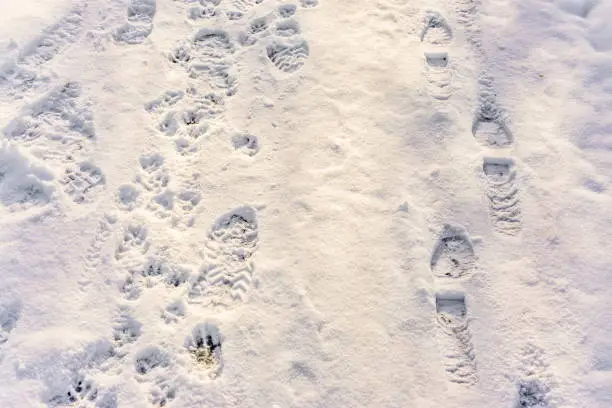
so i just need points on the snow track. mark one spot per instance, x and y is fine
(304, 203)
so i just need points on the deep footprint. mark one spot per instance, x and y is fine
(453, 256)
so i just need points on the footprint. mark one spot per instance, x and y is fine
(24, 185)
(152, 366)
(489, 126)
(56, 127)
(139, 25)
(102, 233)
(438, 74)
(126, 329)
(162, 204)
(187, 123)
(79, 392)
(287, 28)
(504, 203)
(288, 55)
(212, 58)
(153, 176)
(436, 30)
(534, 384)
(455, 338)
(204, 344)
(133, 246)
(245, 5)
(82, 182)
(286, 10)
(173, 311)
(23, 73)
(154, 270)
(246, 143)
(227, 276)
(453, 256)
(168, 99)
(204, 10)
(162, 392)
(309, 3)
(128, 197)
(149, 359)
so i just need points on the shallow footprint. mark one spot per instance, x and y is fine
(288, 55)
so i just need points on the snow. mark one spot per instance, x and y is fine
(302, 203)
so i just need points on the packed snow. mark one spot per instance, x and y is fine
(306, 203)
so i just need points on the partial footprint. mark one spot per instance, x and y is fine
(154, 270)
(502, 191)
(489, 126)
(227, 275)
(23, 73)
(152, 366)
(57, 127)
(438, 74)
(453, 256)
(455, 338)
(23, 184)
(80, 392)
(286, 10)
(204, 9)
(83, 181)
(102, 233)
(245, 5)
(287, 28)
(208, 55)
(139, 25)
(126, 329)
(153, 176)
(133, 246)
(246, 143)
(174, 311)
(204, 344)
(149, 359)
(212, 59)
(535, 383)
(128, 197)
(288, 55)
(309, 3)
(436, 30)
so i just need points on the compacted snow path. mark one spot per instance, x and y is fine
(305, 203)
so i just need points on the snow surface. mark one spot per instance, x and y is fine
(332, 203)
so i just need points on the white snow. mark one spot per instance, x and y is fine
(302, 203)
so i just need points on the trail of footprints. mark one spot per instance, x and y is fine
(453, 258)
(185, 118)
(436, 35)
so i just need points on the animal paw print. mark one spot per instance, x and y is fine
(82, 181)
